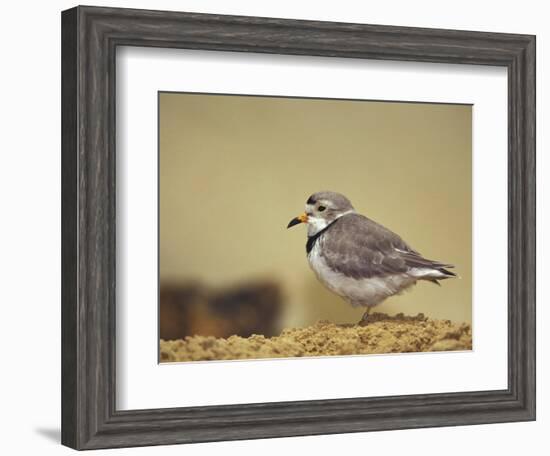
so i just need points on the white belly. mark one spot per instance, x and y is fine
(358, 292)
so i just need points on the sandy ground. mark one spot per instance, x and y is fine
(383, 334)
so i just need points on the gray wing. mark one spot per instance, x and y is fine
(361, 248)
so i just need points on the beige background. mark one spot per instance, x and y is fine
(234, 170)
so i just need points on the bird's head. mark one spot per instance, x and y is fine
(322, 208)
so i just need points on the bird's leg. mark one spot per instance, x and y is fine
(365, 317)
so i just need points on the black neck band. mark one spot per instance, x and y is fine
(311, 240)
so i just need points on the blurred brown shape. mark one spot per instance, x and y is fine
(190, 308)
(178, 303)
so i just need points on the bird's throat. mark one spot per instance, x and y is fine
(311, 240)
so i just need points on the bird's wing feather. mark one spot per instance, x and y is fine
(361, 248)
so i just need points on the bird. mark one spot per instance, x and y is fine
(357, 258)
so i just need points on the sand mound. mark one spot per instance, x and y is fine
(383, 334)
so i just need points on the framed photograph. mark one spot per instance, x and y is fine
(226, 274)
(268, 225)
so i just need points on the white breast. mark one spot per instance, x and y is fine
(358, 292)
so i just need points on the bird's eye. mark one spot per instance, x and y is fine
(321, 208)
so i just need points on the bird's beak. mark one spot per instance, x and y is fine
(297, 220)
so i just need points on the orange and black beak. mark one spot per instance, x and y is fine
(297, 220)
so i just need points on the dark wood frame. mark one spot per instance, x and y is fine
(90, 36)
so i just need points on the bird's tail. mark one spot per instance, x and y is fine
(425, 269)
(440, 273)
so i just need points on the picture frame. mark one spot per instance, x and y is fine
(90, 36)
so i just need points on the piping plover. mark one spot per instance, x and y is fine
(357, 258)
